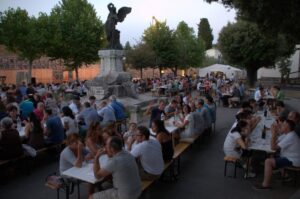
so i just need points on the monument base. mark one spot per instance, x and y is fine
(112, 80)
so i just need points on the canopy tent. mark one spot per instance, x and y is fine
(229, 71)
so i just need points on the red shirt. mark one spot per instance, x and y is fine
(39, 114)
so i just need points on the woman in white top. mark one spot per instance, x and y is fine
(234, 142)
(68, 120)
(184, 121)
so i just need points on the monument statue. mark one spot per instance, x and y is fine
(112, 34)
(112, 80)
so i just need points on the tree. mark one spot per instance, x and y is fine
(284, 64)
(127, 46)
(77, 34)
(23, 35)
(205, 33)
(161, 39)
(141, 56)
(242, 44)
(190, 49)
(273, 17)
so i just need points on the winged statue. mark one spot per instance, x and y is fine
(112, 34)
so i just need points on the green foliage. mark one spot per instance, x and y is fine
(127, 46)
(22, 34)
(242, 44)
(273, 17)
(140, 56)
(161, 39)
(76, 33)
(284, 64)
(190, 49)
(205, 33)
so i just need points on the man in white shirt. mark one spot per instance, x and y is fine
(289, 145)
(149, 152)
(259, 94)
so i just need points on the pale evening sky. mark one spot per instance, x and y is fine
(140, 17)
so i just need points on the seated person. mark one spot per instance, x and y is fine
(34, 132)
(234, 142)
(164, 138)
(235, 97)
(184, 122)
(106, 114)
(157, 113)
(205, 113)
(68, 120)
(73, 155)
(277, 93)
(129, 136)
(170, 110)
(295, 117)
(54, 129)
(10, 141)
(123, 168)
(149, 153)
(281, 111)
(93, 140)
(289, 146)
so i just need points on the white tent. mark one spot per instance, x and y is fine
(229, 71)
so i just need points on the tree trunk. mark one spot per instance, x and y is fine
(76, 72)
(251, 75)
(70, 75)
(141, 71)
(175, 71)
(29, 72)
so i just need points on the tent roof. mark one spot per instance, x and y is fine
(220, 67)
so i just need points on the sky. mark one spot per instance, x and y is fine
(132, 28)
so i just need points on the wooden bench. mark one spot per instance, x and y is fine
(190, 140)
(295, 171)
(232, 160)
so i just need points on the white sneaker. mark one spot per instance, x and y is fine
(250, 175)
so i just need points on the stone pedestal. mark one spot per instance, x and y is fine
(112, 80)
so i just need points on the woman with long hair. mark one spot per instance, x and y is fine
(34, 132)
(68, 120)
(164, 138)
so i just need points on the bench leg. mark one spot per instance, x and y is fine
(235, 165)
(225, 168)
(57, 193)
(78, 189)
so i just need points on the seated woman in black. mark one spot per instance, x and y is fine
(164, 138)
(10, 141)
(34, 132)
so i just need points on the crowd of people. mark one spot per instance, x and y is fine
(90, 128)
(285, 134)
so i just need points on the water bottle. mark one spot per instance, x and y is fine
(263, 133)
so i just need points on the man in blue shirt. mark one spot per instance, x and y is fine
(54, 129)
(119, 109)
(26, 107)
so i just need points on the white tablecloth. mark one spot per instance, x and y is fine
(85, 173)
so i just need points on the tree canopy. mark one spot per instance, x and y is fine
(273, 17)
(242, 44)
(140, 56)
(161, 39)
(76, 33)
(23, 34)
(190, 49)
(205, 33)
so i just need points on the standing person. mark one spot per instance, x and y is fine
(54, 129)
(149, 153)
(75, 106)
(34, 132)
(118, 107)
(124, 171)
(289, 146)
(68, 120)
